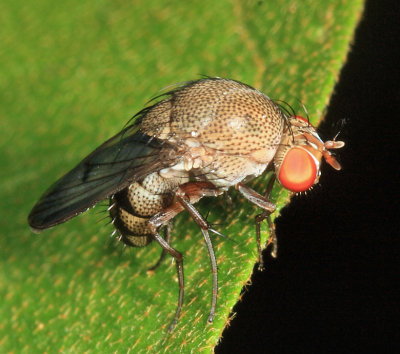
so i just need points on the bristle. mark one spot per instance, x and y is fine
(111, 206)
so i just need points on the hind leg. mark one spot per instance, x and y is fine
(186, 195)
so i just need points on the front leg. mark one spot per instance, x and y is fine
(268, 208)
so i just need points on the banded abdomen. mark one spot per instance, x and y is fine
(131, 208)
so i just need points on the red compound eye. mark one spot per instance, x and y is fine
(298, 170)
(303, 119)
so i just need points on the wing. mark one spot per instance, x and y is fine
(126, 157)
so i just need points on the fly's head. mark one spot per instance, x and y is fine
(298, 159)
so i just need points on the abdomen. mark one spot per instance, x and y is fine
(131, 208)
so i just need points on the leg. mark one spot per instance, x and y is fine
(268, 208)
(167, 238)
(204, 226)
(186, 194)
(154, 223)
(267, 215)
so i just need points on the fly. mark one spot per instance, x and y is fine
(197, 141)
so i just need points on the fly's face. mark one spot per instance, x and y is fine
(298, 159)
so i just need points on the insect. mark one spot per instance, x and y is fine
(197, 141)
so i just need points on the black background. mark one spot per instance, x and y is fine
(333, 286)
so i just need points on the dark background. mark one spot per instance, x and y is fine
(333, 285)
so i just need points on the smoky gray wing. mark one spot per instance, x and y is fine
(127, 157)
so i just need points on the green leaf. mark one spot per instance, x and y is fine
(72, 74)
